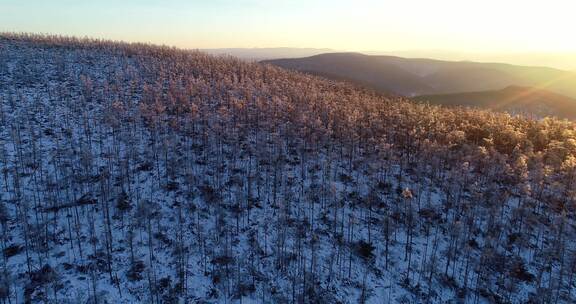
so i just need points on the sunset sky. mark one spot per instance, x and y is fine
(461, 26)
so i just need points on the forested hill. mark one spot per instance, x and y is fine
(514, 99)
(137, 173)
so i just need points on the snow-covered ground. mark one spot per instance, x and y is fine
(110, 194)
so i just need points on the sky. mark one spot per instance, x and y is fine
(452, 26)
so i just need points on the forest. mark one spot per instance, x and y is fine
(139, 173)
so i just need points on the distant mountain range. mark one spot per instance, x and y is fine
(417, 77)
(257, 54)
(413, 77)
(559, 60)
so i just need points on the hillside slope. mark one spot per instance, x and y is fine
(141, 174)
(357, 68)
(257, 54)
(411, 77)
(513, 99)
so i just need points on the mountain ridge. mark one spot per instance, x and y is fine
(266, 53)
(422, 76)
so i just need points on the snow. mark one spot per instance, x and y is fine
(76, 152)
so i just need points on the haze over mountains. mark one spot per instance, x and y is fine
(257, 54)
(512, 99)
(415, 77)
(559, 60)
